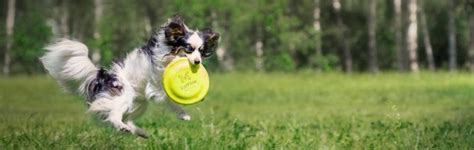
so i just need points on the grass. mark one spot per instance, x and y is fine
(260, 111)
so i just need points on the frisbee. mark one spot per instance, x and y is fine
(185, 83)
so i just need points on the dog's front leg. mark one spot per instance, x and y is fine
(158, 95)
(181, 114)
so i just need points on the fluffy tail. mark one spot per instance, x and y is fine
(68, 62)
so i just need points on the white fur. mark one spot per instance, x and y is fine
(139, 73)
(196, 42)
(67, 62)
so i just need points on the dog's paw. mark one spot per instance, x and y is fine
(125, 129)
(184, 117)
(141, 133)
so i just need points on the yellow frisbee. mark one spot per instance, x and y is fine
(185, 83)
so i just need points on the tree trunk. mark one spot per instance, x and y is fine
(259, 54)
(372, 22)
(347, 56)
(471, 42)
(452, 37)
(426, 40)
(317, 28)
(399, 35)
(151, 12)
(9, 33)
(412, 36)
(64, 18)
(99, 7)
(225, 59)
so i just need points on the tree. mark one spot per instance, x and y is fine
(225, 60)
(399, 35)
(81, 22)
(9, 37)
(270, 35)
(412, 36)
(63, 23)
(257, 25)
(452, 36)
(98, 12)
(317, 29)
(59, 18)
(259, 64)
(426, 39)
(347, 56)
(471, 41)
(372, 21)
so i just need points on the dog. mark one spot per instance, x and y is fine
(113, 93)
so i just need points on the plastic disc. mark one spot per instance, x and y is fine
(185, 83)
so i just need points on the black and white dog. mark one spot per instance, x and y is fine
(112, 94)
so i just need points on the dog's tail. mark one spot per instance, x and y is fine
(68, 62)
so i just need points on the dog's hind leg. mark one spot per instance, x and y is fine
(116, 118)
(112, 110)
(139, 107)
(136, 130)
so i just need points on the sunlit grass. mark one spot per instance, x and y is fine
(254, 110)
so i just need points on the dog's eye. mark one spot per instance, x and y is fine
(181, 40)
(188, 48)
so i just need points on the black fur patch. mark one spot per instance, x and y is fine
(176, 35)
(147, 49)
(211, 40)
(175, 29)
(104, 82)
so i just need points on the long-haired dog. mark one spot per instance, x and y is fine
(112, 93)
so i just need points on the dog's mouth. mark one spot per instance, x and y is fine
(179, 52)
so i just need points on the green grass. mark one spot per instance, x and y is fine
(262, 111)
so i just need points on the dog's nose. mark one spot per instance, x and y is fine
(197, 62)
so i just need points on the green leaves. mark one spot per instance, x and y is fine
(285, 28)
(31, 33)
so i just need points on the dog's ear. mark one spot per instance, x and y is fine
(175, 28)
(210, 36)
(211, 39)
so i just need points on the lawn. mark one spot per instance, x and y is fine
(260, 111)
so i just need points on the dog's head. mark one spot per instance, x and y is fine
(193, 44)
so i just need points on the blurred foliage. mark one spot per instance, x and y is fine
(31, 33)
(285, 28)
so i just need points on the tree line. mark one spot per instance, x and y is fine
(264, 35)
